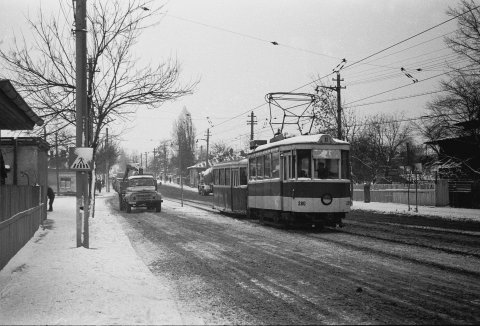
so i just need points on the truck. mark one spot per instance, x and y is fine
(205, 184)
(138, 190)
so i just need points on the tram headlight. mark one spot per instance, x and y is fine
(327, 199)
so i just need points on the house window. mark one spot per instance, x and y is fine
(65, 183)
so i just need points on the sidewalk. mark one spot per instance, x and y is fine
(51, 281)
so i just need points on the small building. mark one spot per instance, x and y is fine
(62, 181)
(194, 173)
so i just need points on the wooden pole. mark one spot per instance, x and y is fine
(81, 101)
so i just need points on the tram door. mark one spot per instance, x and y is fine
(288, 178)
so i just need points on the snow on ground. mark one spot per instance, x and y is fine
(450, 213)
(395, 208)
(51, 281)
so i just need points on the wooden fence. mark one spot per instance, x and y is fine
(21, 213)
(427, 194)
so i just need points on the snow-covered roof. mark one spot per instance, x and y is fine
(199, 165)
(140, 176)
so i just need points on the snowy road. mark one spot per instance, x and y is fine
(378, 269)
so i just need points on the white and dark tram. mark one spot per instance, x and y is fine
(297, 180)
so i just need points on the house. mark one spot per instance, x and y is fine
(459, 162)
(23, 174)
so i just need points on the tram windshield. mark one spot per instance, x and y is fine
(326, 164)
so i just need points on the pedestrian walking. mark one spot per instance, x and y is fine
(98, 185)
(51, 198)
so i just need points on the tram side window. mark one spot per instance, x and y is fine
(227, 176)
(260, 166)
(288, 166)
(345, 165)
(293, 163)
(243, 176)
(304, 159)
(222, 177)
(215, 177)
(252, 163)
(275, 165)
(268, 164)
(235, 177)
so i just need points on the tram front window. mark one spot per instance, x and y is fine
(326, 164)
(325, 169)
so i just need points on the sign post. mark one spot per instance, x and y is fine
(81, 160)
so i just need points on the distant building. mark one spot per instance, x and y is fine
(194, 173)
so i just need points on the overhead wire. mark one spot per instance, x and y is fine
(348, 65)
(403, 86)
(409, 38)
(252, 37)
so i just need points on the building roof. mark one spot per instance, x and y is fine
(200, 165)
(15, 112)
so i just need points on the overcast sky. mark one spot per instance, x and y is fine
(226, 45)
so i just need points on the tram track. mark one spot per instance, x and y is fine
(266, 265)
(455, 242)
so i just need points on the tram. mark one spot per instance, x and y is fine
(298, 180)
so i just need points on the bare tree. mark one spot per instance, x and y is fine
(378, 144)
(44, 71)
(184, 134)
(465, 40)
(107, 156)
(456, 113)
(326, 114)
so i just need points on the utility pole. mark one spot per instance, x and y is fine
(165, 162)
(153, 162)
(56, 162)
(146, 162)
(208, 143)
(339, 105)
(81, 108)
(251, 122)
(181, 173)
(107, 168)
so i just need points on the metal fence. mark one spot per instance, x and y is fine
(21, 213)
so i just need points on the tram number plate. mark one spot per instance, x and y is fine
(302, 203)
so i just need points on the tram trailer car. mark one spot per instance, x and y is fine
(230, 186)
(298, 180)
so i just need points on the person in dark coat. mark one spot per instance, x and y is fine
(3, 170)
(51, 197)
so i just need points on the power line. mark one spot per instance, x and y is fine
(251, 36)
(403, 86)
(411, 37)
(347, 66)
(399, 98)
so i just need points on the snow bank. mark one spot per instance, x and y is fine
(51, 281)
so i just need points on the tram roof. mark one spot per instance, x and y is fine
(242, 162)
(322, 139)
